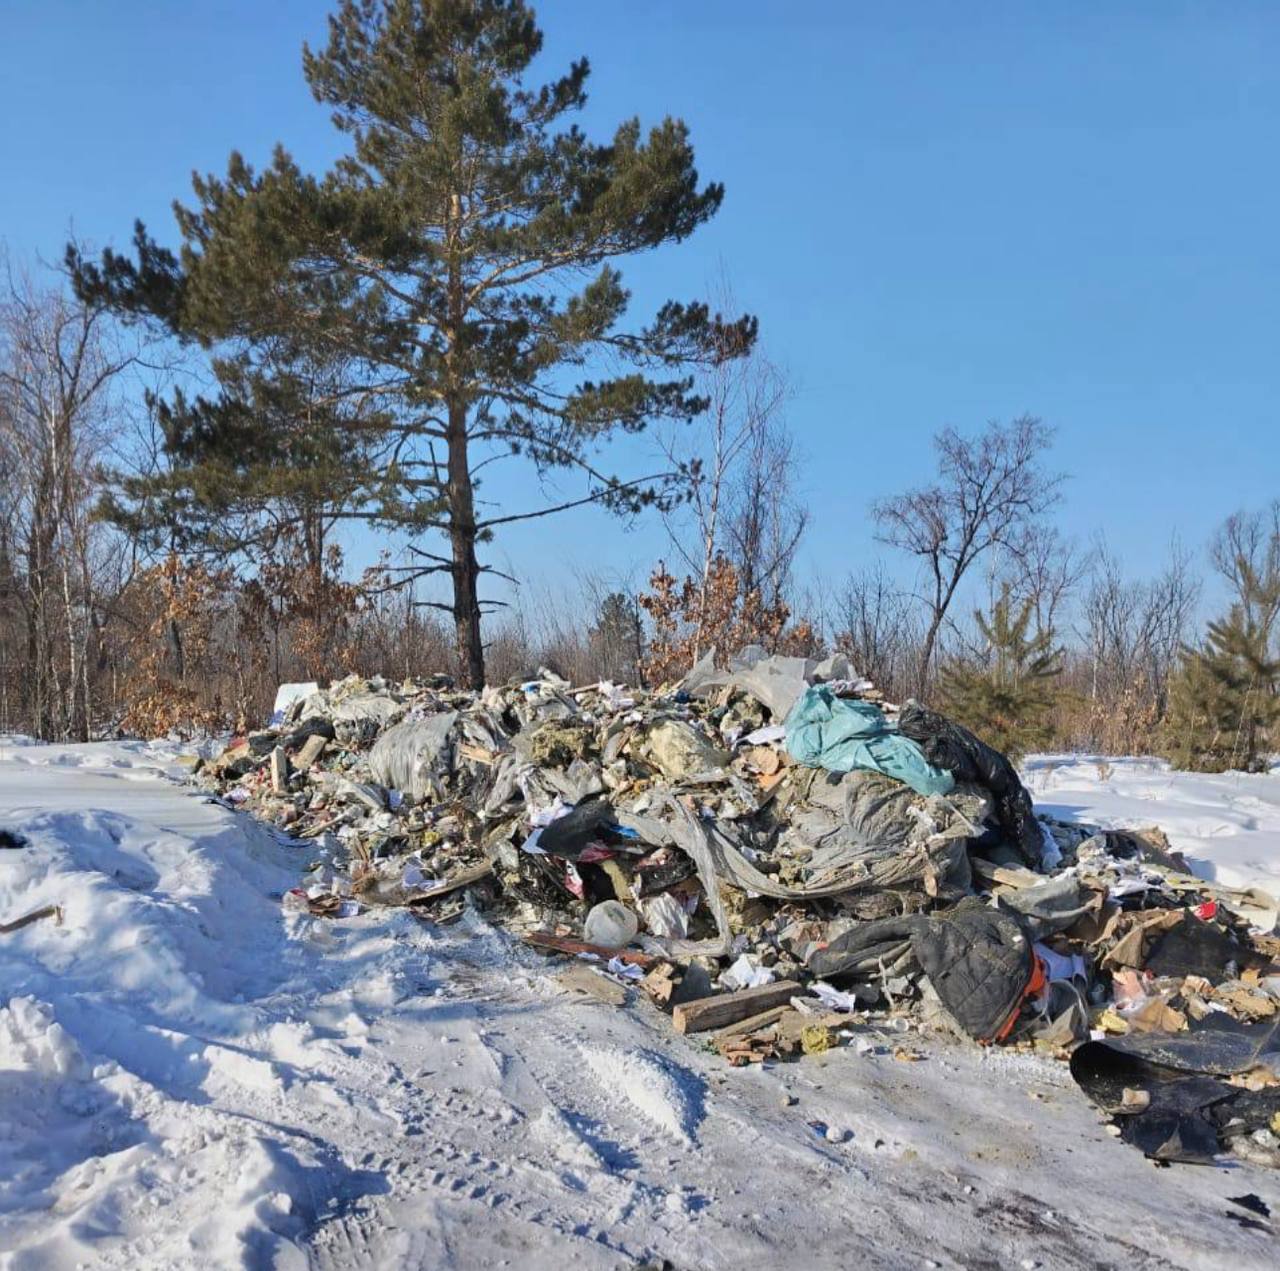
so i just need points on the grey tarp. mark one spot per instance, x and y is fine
(415, 754)
(879, 833)
(665, 820)
(775, 680)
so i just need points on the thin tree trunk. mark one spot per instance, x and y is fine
(926, 653)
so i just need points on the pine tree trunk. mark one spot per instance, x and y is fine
(462, 539)
(460, 495)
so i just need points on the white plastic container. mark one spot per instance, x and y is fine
(611, 924)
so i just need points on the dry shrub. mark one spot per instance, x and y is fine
(1121, 723)
(689, 619)
(301, 604)
(178, 609)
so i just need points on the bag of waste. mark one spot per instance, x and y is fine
(610, 924)
(954, 748)
(841, 734)
(415, 754)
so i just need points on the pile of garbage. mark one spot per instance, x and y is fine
(781, 860)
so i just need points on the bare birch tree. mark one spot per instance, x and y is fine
(58, 362)
(990, 489)
(742, 467)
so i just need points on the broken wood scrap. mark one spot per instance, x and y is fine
(48, 911)
(661, 983)
(565, 944)
(760, 1037)
(728, 1008)
(442, 887)
(585, 980)
(477, 753)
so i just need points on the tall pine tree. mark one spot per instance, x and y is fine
(1007, 699)
(454, 269)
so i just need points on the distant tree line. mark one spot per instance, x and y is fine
(189, 437)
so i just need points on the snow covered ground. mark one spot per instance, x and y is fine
(1226, 825)
(191, 1077)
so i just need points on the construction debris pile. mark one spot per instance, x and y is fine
(784, 862)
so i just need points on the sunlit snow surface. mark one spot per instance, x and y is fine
(191, 1077)
(1227, 825)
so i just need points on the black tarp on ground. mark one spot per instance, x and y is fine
(1192, 1105)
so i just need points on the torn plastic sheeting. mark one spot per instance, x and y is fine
(625, 970)
(746, 974)
(1052, 905)
(379, 709)
(1059, 966)
(412, 754)
(287, 695)
(839, 734)
(966, 757)
(872, 832)
(669, 822)
(835, 999)
(776, 681)
(1184, 1075)
(769, 733)
(665, 916)
(573, 831)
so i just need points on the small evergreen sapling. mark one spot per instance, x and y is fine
(1224, 711)
(1007, 702)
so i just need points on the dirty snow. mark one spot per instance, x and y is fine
(190, 1076)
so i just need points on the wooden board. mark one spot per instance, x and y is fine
(729, 1008)
(565, 944)
(753, 1022)
(433, 891)
(583, 979)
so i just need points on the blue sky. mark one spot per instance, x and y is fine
(942, 214)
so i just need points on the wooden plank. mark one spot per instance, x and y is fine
(564, 944)
(49, 911)
(433, 891)
(753, 1022)
(729, 1008)
(584, 980)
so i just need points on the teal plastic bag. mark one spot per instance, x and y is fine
(841, 734)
